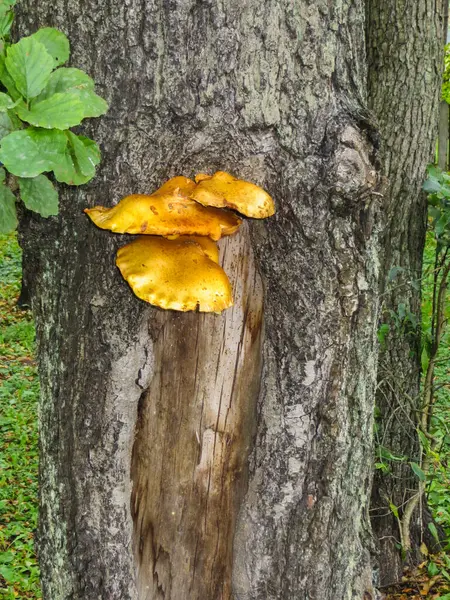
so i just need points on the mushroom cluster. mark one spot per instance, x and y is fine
(175, 265)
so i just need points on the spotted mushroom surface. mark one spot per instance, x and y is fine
(167, 212)
(222, 190)
(175, 274)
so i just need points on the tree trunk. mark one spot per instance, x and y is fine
(214, 456)
(405, 56)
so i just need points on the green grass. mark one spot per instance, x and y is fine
(438, 489)
(19, 573)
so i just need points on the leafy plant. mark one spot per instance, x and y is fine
(432, 424)
(446, 76)
(40, 101)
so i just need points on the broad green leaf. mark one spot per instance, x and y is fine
(6, 19)
(418, 471)
(38, 194)
(60, 111)
(93, 105)
(55, 42)
(85, 152)
(5, 102)
(17, 123)
(382, 332)
(432, 569)
(7, 80)
(76, 82)
(6, 124)
(8, 574)
(31, 151)
(431, 185)
(75, 161)
(29, 65)
(6, 557)
(8, 215)
(65, 79)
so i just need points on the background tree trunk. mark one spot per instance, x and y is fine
(405, 56)
(147, 417)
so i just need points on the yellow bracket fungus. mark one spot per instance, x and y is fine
(167, 212)
(180, 270)
(175, 274)
(223, 190)
(208, 246)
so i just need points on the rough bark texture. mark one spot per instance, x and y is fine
(405, 58)
(275, 92)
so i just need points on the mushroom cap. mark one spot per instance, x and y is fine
(223, 190)
(167, 212)
(174, 274)
(208, 246)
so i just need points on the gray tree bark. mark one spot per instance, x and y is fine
(214, 456)
(405, 70)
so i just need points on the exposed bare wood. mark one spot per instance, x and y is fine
(195, 429)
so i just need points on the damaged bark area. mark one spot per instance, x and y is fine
(195, 429)
(189, 456)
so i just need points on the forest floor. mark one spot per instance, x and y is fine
(429, 580)
(19, 572)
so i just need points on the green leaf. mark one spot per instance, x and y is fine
(55, 42)
(424, 440)
(93, 105)
(6, 557)
(5, 102)
(394, 272)
(60, 111)
(394, 509)
(76, 82)
(65, 79)
(38, 194)
(382, 467)
(29, 65)
(6, 20)
(382, 332)
(8, 214)
(79, 162)
(7, 80)
(86, 153)
(445, 574)
(6, 125)
(418, 471)
(424, 359)
(432, 569)
(31, 151)
(8, 574)
(386, 454)
(431, 185)
(433, 531)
